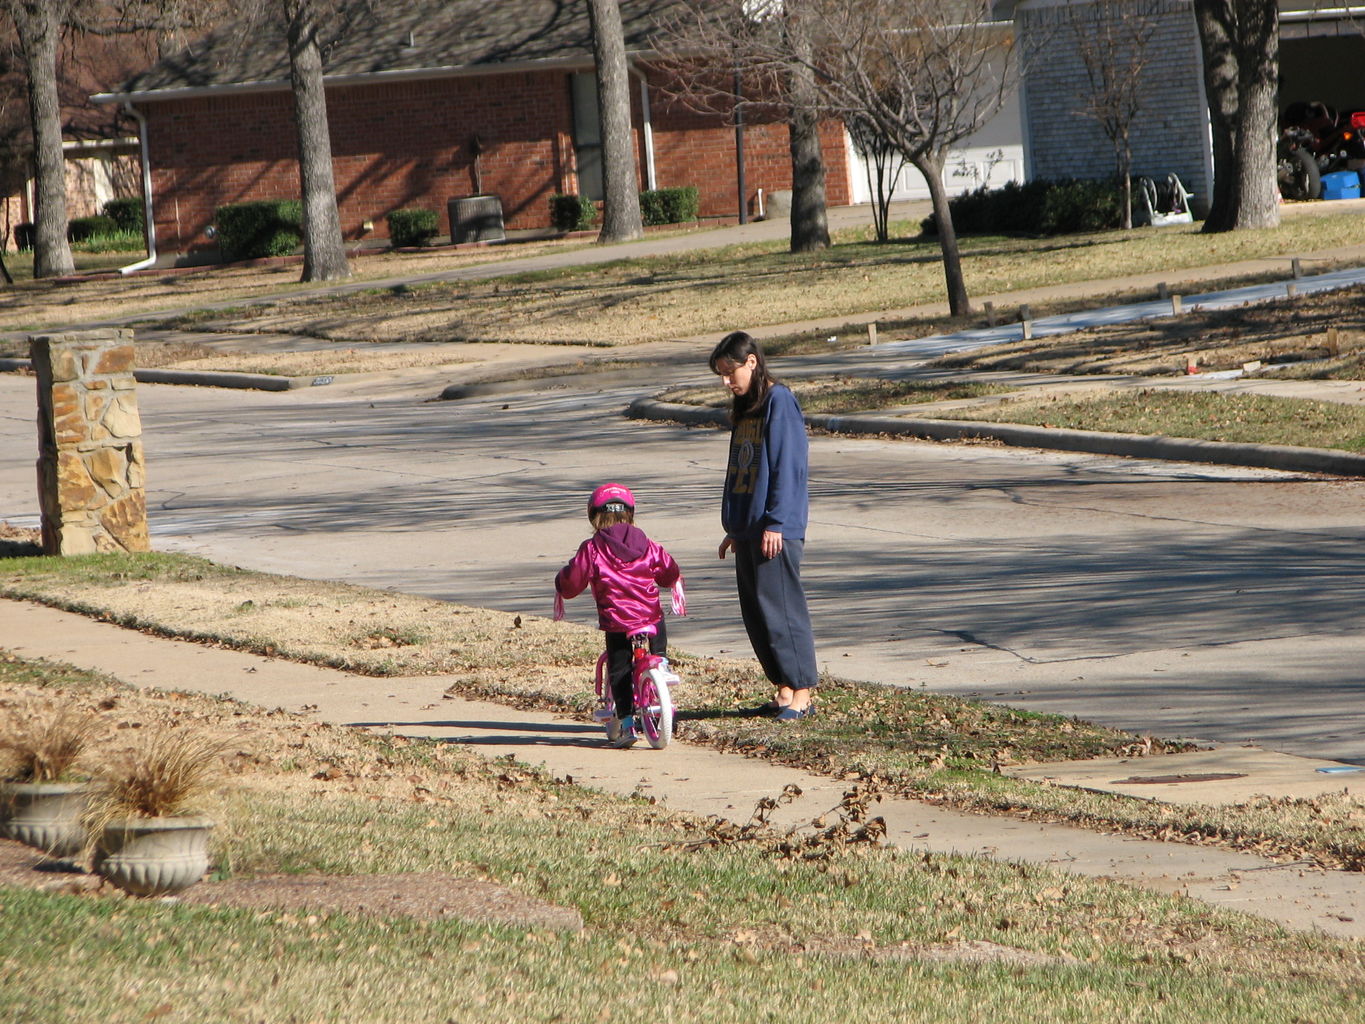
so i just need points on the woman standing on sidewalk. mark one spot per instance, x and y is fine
(764, 510)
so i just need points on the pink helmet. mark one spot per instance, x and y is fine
(608, 493)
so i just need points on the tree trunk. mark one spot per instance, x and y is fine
(38, 24)
(324, 249)
(1220, 89)
(621, 202)
(1239, 40)
(931, 166)
(809, 223)
(1258, 63)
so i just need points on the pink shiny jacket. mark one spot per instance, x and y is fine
(625, 570)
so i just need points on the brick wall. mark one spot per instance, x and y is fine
(1171, 130)
(407, 144)
(699, 149)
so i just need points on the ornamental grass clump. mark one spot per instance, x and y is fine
(171, 773)
(43, 744)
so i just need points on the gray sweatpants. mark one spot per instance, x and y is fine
(775, 615)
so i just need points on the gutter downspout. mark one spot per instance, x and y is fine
(647, 118)
(147, 216)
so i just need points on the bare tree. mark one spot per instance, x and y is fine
(621, 201)
(884, 164)
(38, 27)
(1240, 44)
(926, 74)
(768, 57)
(1112, 41)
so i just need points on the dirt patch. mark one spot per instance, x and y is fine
(425, 896)
(24, 867)
(1320, 336)
(980, 951)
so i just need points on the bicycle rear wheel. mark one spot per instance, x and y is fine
(656, 711)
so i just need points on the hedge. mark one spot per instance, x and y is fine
(669, 205)
(126, 212)
(268, 227)
(1039, 207)
(410, 227)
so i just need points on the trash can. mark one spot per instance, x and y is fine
(475, 219)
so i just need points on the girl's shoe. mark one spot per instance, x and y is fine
(792, 715)
(625, 733)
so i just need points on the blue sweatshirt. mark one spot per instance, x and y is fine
(765, 480)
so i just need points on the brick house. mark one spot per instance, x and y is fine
(432, 100)
(1322, 50)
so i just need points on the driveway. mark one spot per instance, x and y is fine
(1177, 599)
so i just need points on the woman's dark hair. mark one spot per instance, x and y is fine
(734, 349)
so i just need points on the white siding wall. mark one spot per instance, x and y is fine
(1171, 132)
(965, 170)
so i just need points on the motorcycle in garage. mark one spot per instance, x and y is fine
(1316, 140)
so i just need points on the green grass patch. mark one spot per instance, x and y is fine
(120, 242)
(1204, 415)
(680, 923)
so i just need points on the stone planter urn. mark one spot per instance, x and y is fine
(153, 856)
(45, 815)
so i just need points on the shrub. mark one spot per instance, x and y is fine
(1039, 207)
(80, 228)
(572, 213)
(126, 212)
(268, 227)
(412, 227)
(1082, 206)
(669, 205)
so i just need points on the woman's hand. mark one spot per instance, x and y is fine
(728, 544)
(772, 544)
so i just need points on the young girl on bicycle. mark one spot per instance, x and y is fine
(625, 570)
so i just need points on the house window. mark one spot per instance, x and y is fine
(587, 135)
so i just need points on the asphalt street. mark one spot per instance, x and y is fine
(1181, 600)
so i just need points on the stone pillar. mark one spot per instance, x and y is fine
(90, 468)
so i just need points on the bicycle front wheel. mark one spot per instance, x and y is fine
(656, 712)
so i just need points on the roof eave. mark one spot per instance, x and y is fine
(362, 78)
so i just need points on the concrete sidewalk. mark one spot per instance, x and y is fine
(698, 779)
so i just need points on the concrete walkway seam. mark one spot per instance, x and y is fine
(1095, 442)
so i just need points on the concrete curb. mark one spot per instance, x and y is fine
(211, 379)
(201, 378)
(1154, 446)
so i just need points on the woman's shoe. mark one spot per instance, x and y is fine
(793, 715)
(770, 708)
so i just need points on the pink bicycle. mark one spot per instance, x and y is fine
(651, 680)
